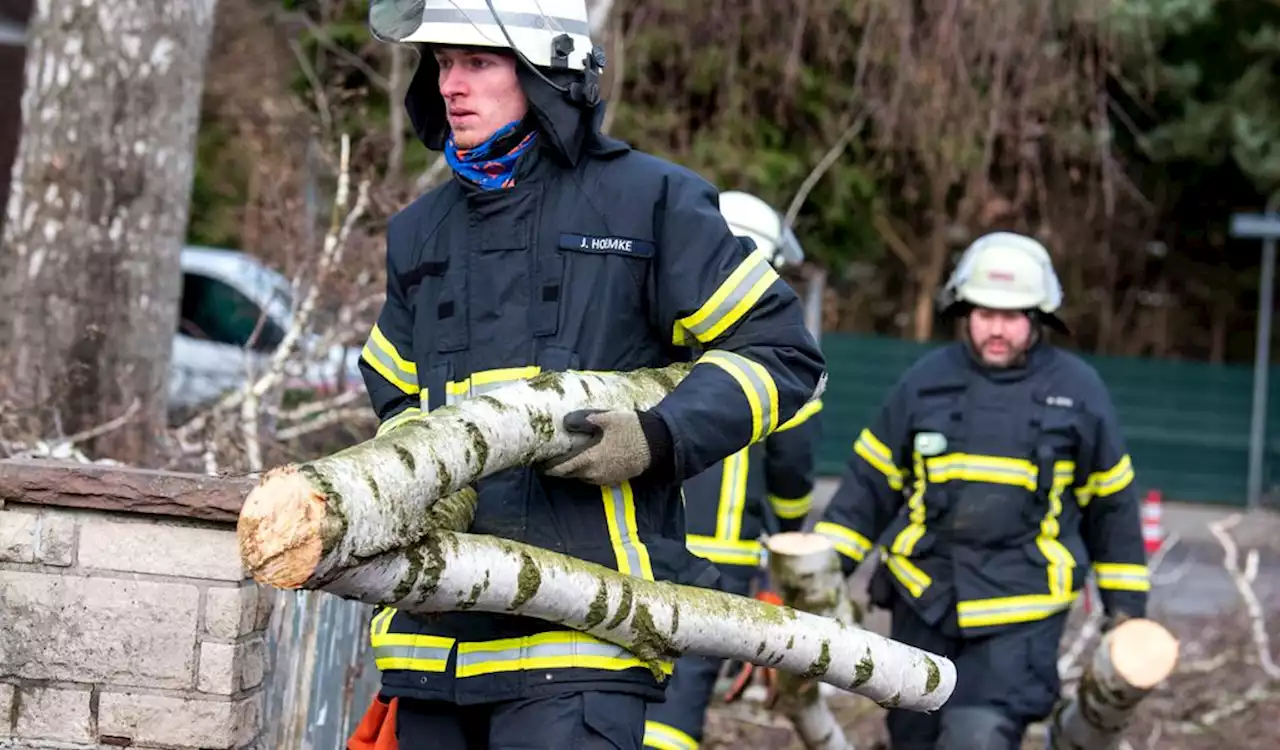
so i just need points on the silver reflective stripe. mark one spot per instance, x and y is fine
(412, 658)
(970, 612)
(733, 491)
(511, 20)
(474, 390)
(768, 414)
(383, 358)
(480, 661)
(617, 507)
(740, 291)
(661, 735)
(426, 653)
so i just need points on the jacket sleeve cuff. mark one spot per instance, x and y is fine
(662, 459)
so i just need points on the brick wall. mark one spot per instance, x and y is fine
(125, 628)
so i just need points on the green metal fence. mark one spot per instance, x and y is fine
(1187, 423)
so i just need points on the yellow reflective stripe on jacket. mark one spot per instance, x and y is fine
(382, 356)
(554, 650)
(419, 653)
(733, 495)
(802, 416)
(969, 467)
(732, 300)
(1007, 610)
(1062, 564)
(484, 381)
(875, 453)
(399, 419)
(848, 542)
(757, 385)
(915, 580)
(790, 508)
(905, 543)
(725, 551)
(1122, 576)
(620, 515)
(664, 737)
(1111, 481)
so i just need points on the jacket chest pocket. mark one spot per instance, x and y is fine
(1061, 441)
(613, 267)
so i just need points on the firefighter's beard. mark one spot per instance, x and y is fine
(998, 351)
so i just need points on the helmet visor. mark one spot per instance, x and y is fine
(395, 20)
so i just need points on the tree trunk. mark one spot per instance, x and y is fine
(1130, 661)
(928, 279)
(304, 523)
(652, 620)
(97, 213)
(807, 575)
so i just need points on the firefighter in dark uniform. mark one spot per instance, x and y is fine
(553, 247)
(991, 481)
(766, 487)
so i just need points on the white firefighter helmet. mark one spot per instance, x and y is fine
(546, 33)
(749, 216)
(1005, 271)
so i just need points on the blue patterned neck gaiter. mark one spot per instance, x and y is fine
(492, 164)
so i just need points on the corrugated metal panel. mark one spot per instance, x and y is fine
(322, 676)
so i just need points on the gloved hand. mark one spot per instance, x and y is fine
(618, 446)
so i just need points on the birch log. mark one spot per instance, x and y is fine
(1131, 660)
(305, 523)
(807, 576)
(654, 620)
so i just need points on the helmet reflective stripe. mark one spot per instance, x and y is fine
(1006, 271)
(749, 216)
(533, 25)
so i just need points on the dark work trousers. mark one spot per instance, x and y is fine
(577, 721)
(1013, 672)
(676, 723)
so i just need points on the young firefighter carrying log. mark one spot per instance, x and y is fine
(555, 247)
(992, 477)
(766, 487)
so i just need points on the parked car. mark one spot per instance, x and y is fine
(221, 340)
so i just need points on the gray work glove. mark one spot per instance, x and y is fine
(618, 446)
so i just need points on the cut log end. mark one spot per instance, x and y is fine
(798, 544)
(1143, 653)
(281, 529)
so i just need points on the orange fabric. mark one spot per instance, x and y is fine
(768, 597)
(377, 729)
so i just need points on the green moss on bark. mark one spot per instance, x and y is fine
(335, 519)
(624, 607)
(528, 582)
(406, 458)
(863, 672)
(599, 607)
(479, 443)
(820, 665)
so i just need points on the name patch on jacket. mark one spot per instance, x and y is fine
(584, 243)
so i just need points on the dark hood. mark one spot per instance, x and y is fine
(569, 130)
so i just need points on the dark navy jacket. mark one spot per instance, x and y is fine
(989, 493)
(599, 258)
(765, 487)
